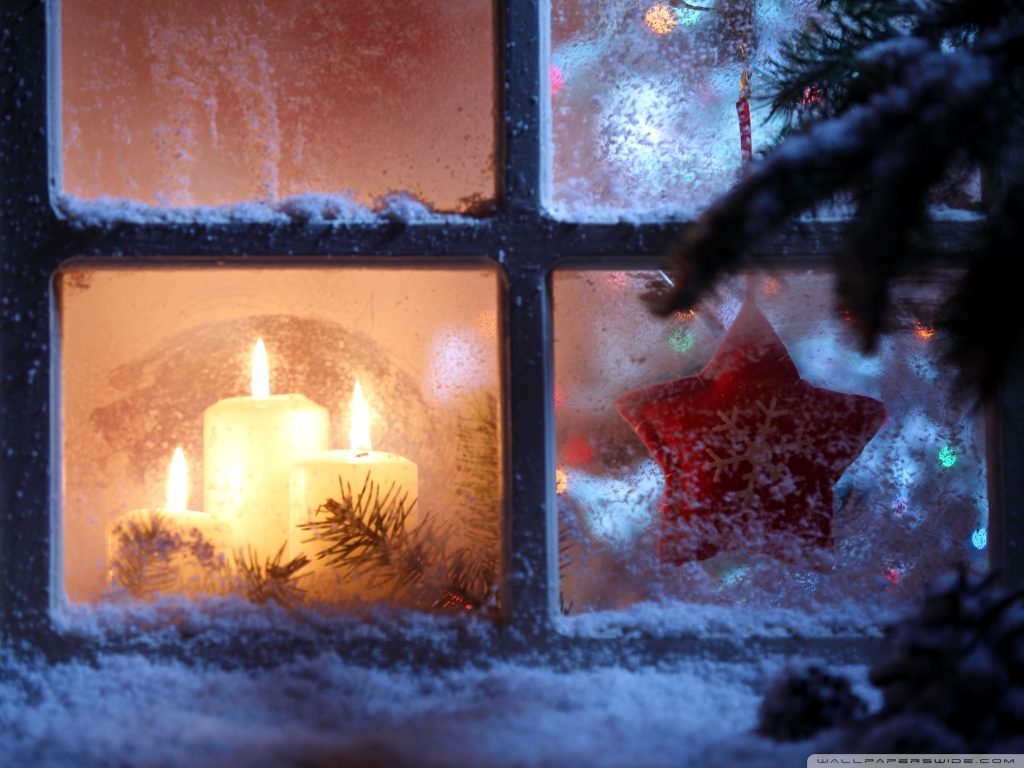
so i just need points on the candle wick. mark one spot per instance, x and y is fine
(363, 453)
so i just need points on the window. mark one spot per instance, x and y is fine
(524, 252)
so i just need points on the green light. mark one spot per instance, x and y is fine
(687, 17)
(681, 340)
(948, 456)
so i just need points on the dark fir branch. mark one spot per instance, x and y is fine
(273, 579)
(909, 92)
(365, 533)
(473, 571)
(142, 559)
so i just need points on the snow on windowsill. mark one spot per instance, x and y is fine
(669, 214)
(660, 619)
(338, 210)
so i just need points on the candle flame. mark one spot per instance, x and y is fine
(177, 482)
(359, 430)
(260, 371)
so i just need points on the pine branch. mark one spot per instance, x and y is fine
(478, 493)
(142, 560)
(903, 110)
(366, 533)
(273, 579)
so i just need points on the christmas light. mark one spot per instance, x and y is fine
(681, 340)
(980, 538)
(923, 331)
(561, 481)
(557, 79)
(661, 18)
(948, 456)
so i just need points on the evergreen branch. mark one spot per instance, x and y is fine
(142, 559)
(920, 110)
(478, 482)
(273, 579)
(366, 533)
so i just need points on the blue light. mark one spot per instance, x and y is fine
(687, 17)
(948, 456)
(980, 538)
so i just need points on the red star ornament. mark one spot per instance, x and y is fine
(750, 451)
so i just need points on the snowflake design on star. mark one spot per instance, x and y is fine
(766, 452)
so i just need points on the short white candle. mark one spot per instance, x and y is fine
(249, 444)
(319, 477)
(188, 556)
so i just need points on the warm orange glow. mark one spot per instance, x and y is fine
(359, 430)
(686, 314)
(260, 371)
(177, 482)
(660, 18)
(771, 286)
(923, 331)
(561, 481)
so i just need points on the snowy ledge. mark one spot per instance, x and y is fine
(337, 210)
(222, 621)
(663, 619)
(674, 215)
(233, 631)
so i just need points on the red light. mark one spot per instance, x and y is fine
(557, 79)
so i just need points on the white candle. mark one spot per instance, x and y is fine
(169, 549)
(319, 477)
(249, 444)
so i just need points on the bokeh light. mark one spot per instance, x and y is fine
(661, 18)
(948, 456)
(980, 538)
(681, 340)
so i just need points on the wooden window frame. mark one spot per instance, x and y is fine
(521, 239)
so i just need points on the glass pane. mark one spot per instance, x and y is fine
(748, 453)
(648, 113)
(218, 423)
(211, 103)
(644, 100)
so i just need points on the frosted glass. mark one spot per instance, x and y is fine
(644, 104)
(153, 359)
(206, 103)
(913, 504)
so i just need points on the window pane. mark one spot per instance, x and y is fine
(646, 103)
(211, 103)
(161, 378)
(644, 100)
(794, 473)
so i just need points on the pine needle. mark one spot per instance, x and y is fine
(273, 580)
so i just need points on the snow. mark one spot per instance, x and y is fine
(127, 709)
(337, 209)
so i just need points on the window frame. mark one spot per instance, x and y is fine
(519, 238)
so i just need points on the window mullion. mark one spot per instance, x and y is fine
(525, 98)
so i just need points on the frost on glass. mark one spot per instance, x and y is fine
(644, 99)
(159, 376)
(191, 103)
(645, 104)
(912, 504)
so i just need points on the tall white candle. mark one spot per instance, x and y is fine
(249, 445)
(319, 477)
(169, 549)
